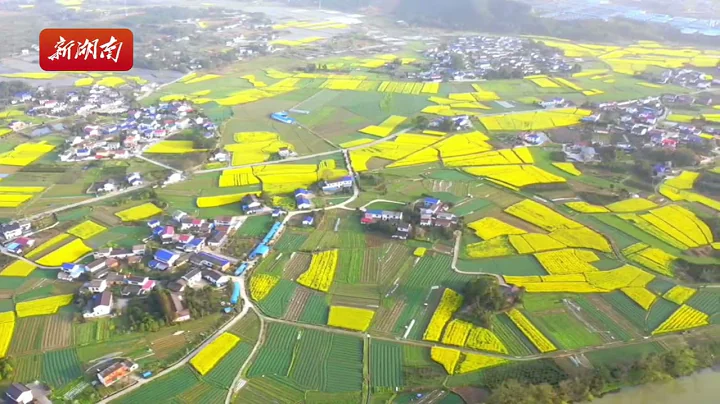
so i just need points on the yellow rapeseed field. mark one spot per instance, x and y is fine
(485, 340)
(585, 207)
(531, 332)
(456, 332)
(70, 252)
(490, 227)
(209, 356)
(222, 200)
(473, 362)
(447, 357)
(86, 229)
(450, 302)
(321, 272)
(44, 246)
(261, 285)
(632, 205)
(7, 327)
(684, 318)
(495, 247)
(643, 297)
(568, 168)
(351, 318)
(541, 216)
(18, 268)
(173, 147)
(515, 175)
(139, 212)
(41, 307)
(679, 294)
(25, 154)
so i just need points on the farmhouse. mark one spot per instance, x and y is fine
(403, 231)
(14, 230)
(97, 286)
(20, 245)
(372, 216)
(216, 278)
(193, 276)
(166, 257)
(116, 371)
(19, 393)
(250, 204)
(180, 312)
(100, 305)
(203, 259)
(330, 187)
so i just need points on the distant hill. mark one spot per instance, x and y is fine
(512, 17)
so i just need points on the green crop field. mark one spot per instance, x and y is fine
(316, 310)
(350, 266)
(290, 242)
(659, 312)
(471, 206)
(270, 389)
(707, 301)
(276, 303)
(515, 341)
(255, 226)
(61, 367)
(660, 286)
(275, 356)
(165, 388)
(600, 319)
(616, 356)
(309, 355)
(627, 307)
(248, 328)
(539, 302)
(567, 331)
(386, 365)
(518, 265)
(28, 368)
(28, 335)
(539, 371)
(223, 374)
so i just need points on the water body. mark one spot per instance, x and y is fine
(701, 388)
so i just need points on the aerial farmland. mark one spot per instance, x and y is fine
(440, 219)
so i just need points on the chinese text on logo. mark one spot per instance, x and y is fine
(86, 49)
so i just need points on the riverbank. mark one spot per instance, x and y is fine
(701, 388)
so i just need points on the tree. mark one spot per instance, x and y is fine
(421, 122)
(6, 368)
(684, 157)
(483, 298)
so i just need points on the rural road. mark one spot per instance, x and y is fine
(247, 305)
(86, 202)
(157, 163)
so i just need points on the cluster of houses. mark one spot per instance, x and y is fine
(141, 129)
(434, 213)
(687, 78)
(484, 57)
(113, 185)
(189, 234)
(13, 230)
(42, 101)
(643, 122)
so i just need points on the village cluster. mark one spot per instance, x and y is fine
(487, 57)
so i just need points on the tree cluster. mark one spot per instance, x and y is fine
(148, 314)
(202, 302)
(483, 298)
(648, 369)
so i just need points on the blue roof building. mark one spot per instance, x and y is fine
(241, 269)
(301, 191)
(282, 117)
(260, 251)
(303, 203)
(166, 256)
